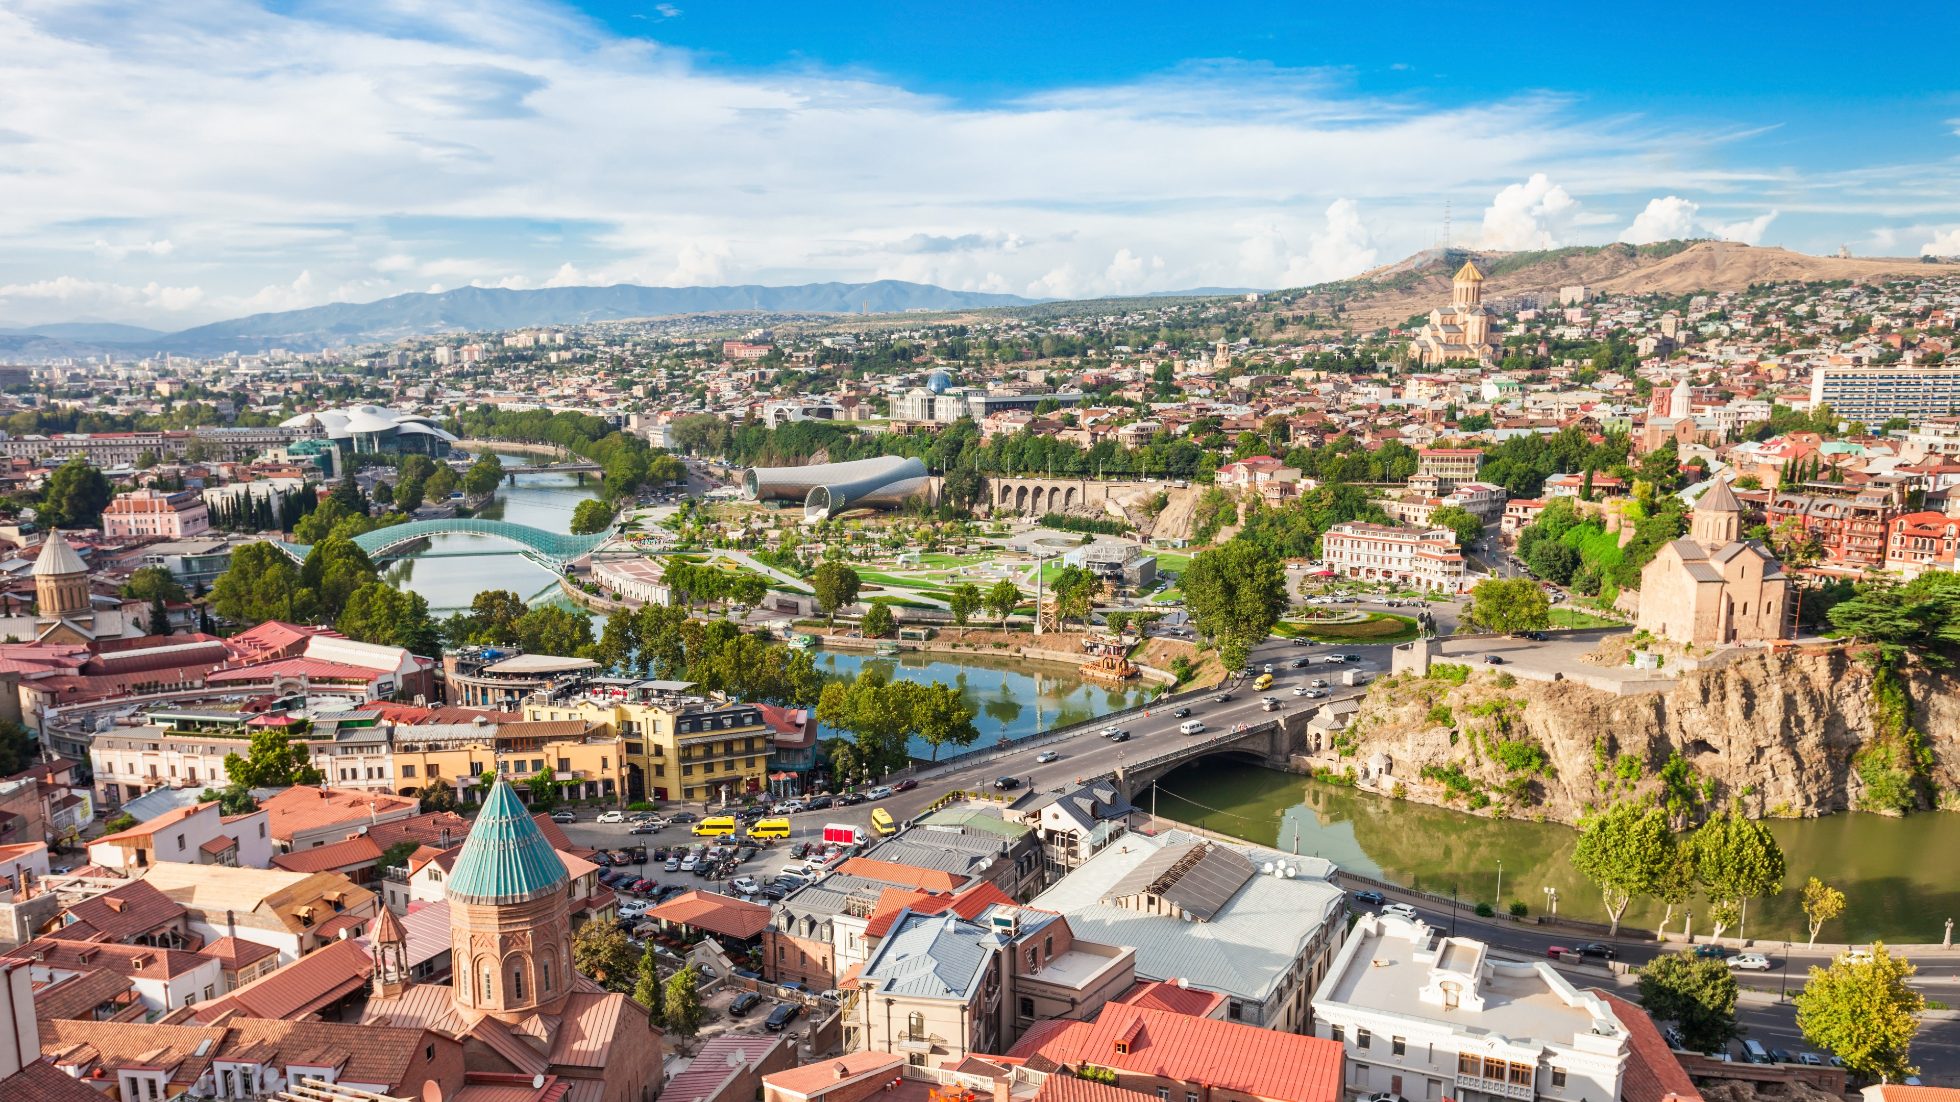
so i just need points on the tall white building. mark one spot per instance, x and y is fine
(1417, 557)
(1876, 394)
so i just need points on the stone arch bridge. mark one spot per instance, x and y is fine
(1033, 496)
(1272, 743)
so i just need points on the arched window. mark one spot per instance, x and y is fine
(517, 980)
(484, 991)
(547, 974)
(915, 1026)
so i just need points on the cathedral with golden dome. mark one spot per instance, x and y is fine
(1462, 330)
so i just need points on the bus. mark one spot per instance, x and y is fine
(1265, 682)
(715, 826)
(769, 829)
(881, 821)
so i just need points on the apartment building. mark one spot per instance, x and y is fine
(1449, 466)
(291, 912)
(1917, 543)
(1852, 523)
(1427, 1017)
(126, 449)
(1149, 1052)
(677, 745)
(1875, 394)
(1419, 558)
(500, 679)
(154, 514)
(199, 834)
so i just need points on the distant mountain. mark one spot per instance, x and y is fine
(1204, 292)
(473, 309)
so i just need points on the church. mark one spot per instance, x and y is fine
(515, 1000)
(1714, 588)
(66, 609)
(1462, 330)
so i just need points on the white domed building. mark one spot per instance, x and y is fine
(372, 430)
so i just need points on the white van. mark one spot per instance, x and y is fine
(1191, 727)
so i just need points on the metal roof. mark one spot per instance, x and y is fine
(507, 859)
(1198, 879)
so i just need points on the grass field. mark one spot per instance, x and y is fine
(1573, 618)
(1380, 627)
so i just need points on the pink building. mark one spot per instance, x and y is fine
(141, 513)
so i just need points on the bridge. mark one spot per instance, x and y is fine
(551, 550)
(1268, 742)
(555, 468)
(1033, 495)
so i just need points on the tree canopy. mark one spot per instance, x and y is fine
(1235, 594)
(1509, 605)
(1624, 850)
(1864, 1012)
(272, 760)
(1697, 994)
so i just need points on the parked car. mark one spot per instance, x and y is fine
(1750, 962)
(1400, 910)
(1371, 898)
(563, 817)
(906, 785)
(852, 799)
(780, 1018)
(1006, 783)
(882, 792)
(743, 1003)
(1811, 1059)
(1855, 955)
(673, 864)
(819, 803)
(745, 884)
(1493, 660)
(789, 807)
(613, 816)
(1711, 952)
(1299, 663)
(1048, 755)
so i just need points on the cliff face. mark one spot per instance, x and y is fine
(1781, 733)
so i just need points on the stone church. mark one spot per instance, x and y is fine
(1462, 330)
(1714, 588)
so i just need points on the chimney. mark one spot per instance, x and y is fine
(840, 1071)
(1001, 1091)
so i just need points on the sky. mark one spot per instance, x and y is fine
(169, 164)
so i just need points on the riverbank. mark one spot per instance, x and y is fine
(552, 450)
(982, 644)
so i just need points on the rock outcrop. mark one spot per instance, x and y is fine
(1782, 733)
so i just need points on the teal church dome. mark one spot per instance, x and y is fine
(506, 859)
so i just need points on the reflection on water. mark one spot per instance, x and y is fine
(1894, 890)
(1009, 697)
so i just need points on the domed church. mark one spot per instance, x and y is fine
(514, 999)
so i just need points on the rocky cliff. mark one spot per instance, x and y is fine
(1796, 734)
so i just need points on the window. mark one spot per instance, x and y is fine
(1337, 1033)
(1398, 1046)
(547, 976)
(915, 1026)
(517, 982)
(1190, 1096)
(1027, 1007)
(408, 771)
(1558, 1077)
(1361, 1038)
(1521, 1075)
(180, 843)
(1235, 1012)
(1164, 1093)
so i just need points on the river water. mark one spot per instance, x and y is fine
(1896, 885)
(457, 567)
(1010, 698)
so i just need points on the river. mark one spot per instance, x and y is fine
(1010, 698)
(1896, 887)
(457, 567)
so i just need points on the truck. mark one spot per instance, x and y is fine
(1354, 677)
(841, 835)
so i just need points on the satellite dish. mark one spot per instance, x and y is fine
(537, 1081)
(1267, 868)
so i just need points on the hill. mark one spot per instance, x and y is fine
(477, 309)
(1390, 294)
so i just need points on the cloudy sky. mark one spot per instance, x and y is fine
(171, 163)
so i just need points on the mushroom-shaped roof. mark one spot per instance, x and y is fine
(507, 859)
(369, 419)
(57, 558)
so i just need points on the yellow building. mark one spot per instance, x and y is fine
(1462, 330)
(677, 746)
(360, 750)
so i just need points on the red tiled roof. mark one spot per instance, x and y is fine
(715, 914)
(967, 904)
(820, 1075)
(1068, 1088)
(1653, 1074)
(301, 809)
(1157, 995)
(144, 829)
(354, 852)
(233, 953)
(43, 1082)
(135, 961)
(121, 913)
(306, 985)
(910, 876)
(1259, 1062)
(318, 669)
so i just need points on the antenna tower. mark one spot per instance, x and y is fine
(1446, 231)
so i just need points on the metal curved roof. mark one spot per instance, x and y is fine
(826, 489)
(507, 859)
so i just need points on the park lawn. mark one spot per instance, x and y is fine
(1379, 627)
(875, 577)
(1573, 618)
(943, 561)
(1175, 562)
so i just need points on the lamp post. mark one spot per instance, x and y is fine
(1499, 901)
(1783, 987)
(1551, 897)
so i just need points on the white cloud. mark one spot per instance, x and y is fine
(1665, 219)
(1944, 243)
(71, 296)
(1340, 246)
(1749, 231)
(701, 262)
(1536, 214)
(117, 251)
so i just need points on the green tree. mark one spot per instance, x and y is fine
(1075, 591)
(150, 583)
(262, 584)
(379, 613)
(591, 516)
(1698, 995)
(1235, 593)
(544, 789)
(1864, 1012)
(836, 586)
(1922, 616)
(1508, 606)
(683, 1005)
(1821, 904)
(940, 715)
(964, 600)
(75, 496)
(334, 569)
(1736, 859)
(410, 493)
(159, 619)
(233, 799)
(1622, 850)
(1469, 528)
(602, 953)
(868, 709)
(484, 476)
(647, 989)
(273, 760)
(440, 484)
(397, 855)
(878, 620)
(1001, 599)
(16, 751)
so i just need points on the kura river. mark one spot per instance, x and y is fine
(1011, 698)
(456, 567)
(1897, 874)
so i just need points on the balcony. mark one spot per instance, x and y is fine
(1500, 1088)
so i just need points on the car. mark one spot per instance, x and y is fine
(1400, 910)
(673, 864)
(1331, 660)
(1299, 663)
(1810, 1059)
(1191, 727)
(1222, 698)
(563, 817)
(745, 853)
(780, 1018)
(1269, 703)
(1006, 783)
(643, 886)
(643, 828)
(882, 792)
(1302, 641)
(1597, 949)
(690, 863)
(1711, 952)
(1268, 668)
(1181, 713)
(773, 891)
(789, 807)
(852, 799)
(1493, 660)
(1301, 690)
(1371, 898)
(613, 816)
(683, 817)
(632, 908)
(1534, 636)
(1318, 683)
(1855, 955)
(1673, 1037)
(906, 785)
(743, 1003)
(1048, 755)
(1750, 962)
(745, 884)
(1120, 736)
(819, 803)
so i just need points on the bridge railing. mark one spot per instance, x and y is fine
(1185, 750)
(1063, 734)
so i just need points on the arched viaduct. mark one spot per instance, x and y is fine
(1033, 496)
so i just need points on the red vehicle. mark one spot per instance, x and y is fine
(838, 834)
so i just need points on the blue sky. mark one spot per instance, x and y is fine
(171, 164)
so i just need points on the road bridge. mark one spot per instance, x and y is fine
(551, 550)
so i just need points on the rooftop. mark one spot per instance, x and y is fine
(507, 859)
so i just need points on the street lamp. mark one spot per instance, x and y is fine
(1551, 896)
(1499, 901)
(1783, 988)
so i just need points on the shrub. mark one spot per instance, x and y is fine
(1455, 673)
(1518, 909)
(1441, 716)
(1485, 910)
(1520, 755)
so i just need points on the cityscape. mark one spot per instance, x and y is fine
(803, 558)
